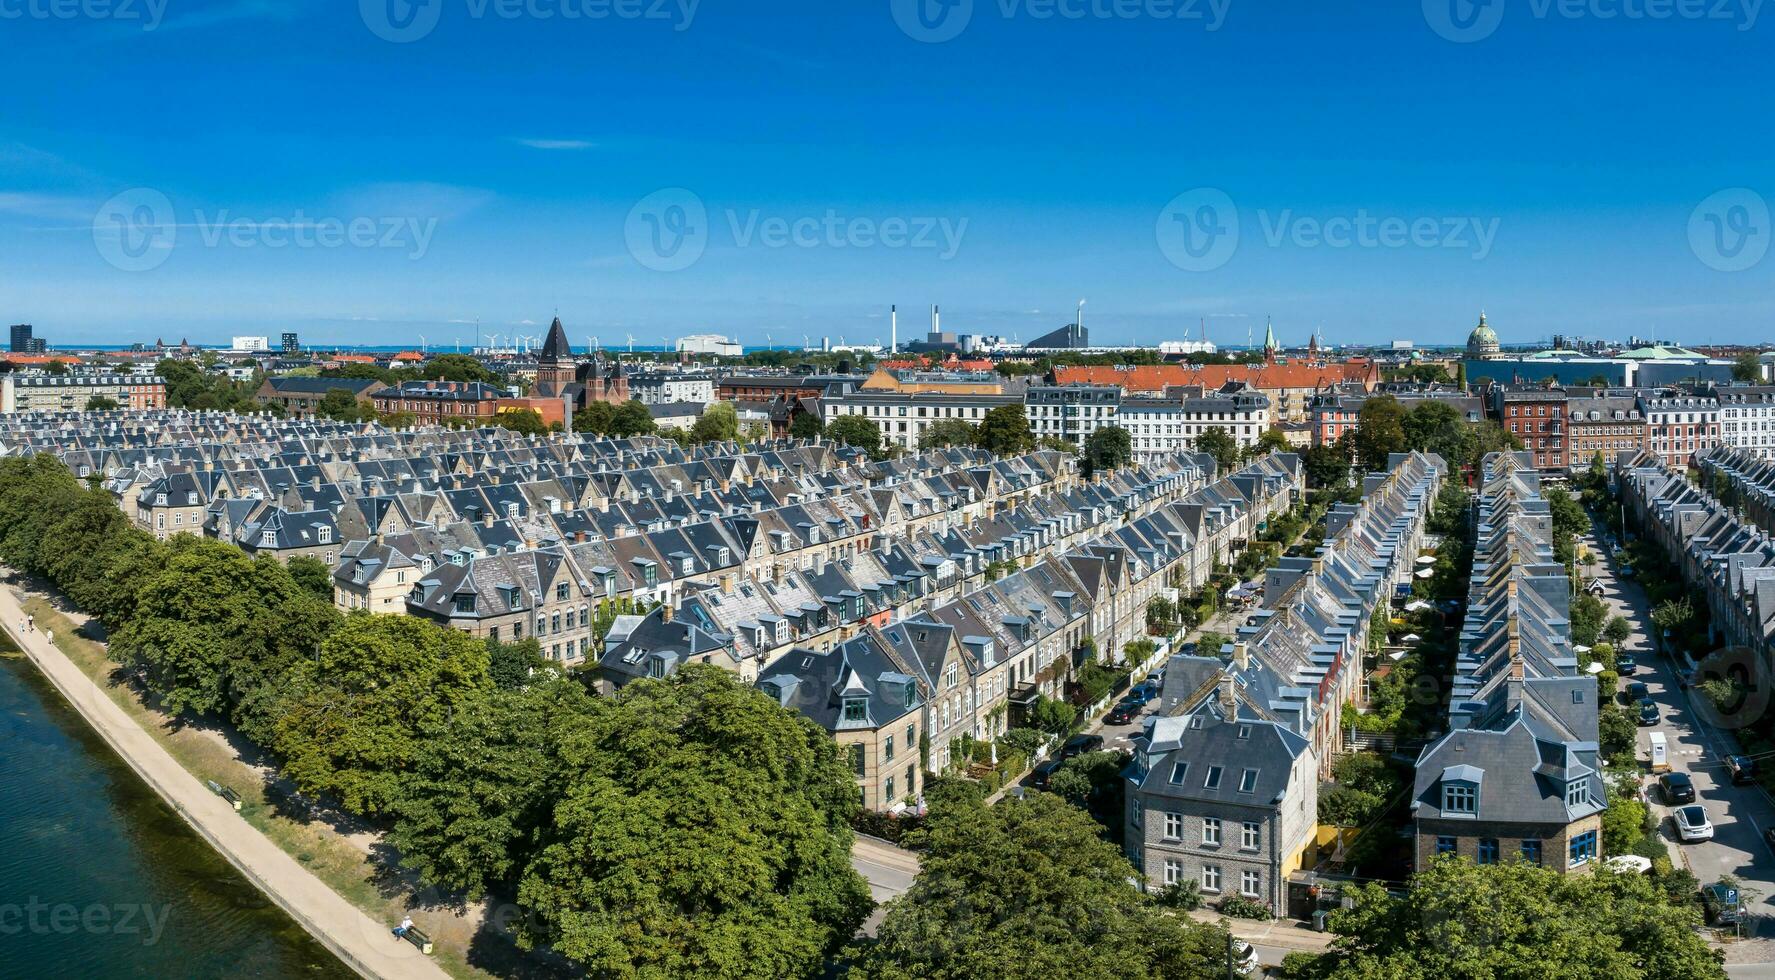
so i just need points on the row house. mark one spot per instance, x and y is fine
(1725, 556)
(1518, 775)
(1219, 792)
(1302, 651)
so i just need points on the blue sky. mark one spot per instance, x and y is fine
(822, 163)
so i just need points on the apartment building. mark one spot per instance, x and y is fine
(1172, 423)
(40, 391)
(1747, 419)
(300, 397)
(1681, 425)
(1537, 416)
(904, 417)
(1071, 412)
(1606, 421)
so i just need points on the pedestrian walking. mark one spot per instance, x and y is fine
(30, 624)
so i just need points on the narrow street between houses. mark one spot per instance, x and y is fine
(1739, 813)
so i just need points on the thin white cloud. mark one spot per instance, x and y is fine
(50, 207)
(548, 144)
(416, 199)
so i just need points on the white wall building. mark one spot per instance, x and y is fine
(665, 388)
(250, 345)
(903, 417)
(709, 343)
(1160, 426)
(1071, 412)
(1747, 419)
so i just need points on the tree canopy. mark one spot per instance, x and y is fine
(701, 830)
(1005, 431)
(1027, 888)
(855, 430)
(1107, 448)
(944, 433)
(1517, 921)
(1217, 442)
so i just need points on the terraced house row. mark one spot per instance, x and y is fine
(1749, 482)
(968, 668)
(1730, 560)
(1518, 775)
(1223, 787)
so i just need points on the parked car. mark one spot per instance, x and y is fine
(1244, 958)
(1676, 787)
(1141, 693)
(1723, 904)
(1124, 712)
(1625, 665)
(1648, 712)
(1626, 571)
(1080, 744)
(1692, 823)
(1638, 691)
(1742, 767)
(1039, 776)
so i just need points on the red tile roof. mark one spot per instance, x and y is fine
(1268, 377)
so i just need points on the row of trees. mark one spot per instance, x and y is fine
(1385, 426)
(689, 826)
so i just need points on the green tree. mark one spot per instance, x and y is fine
(1438, 427)
(1109, 447)
(1272, 441)
(855, 430)
(340, 405)
(1380, 432)
(1617, 630)
(1004, 431)
(1217, 442)
(313, 575)
(1747, 367)
(512, 664)
(482, 783)
(350, 723)
(944, 433)
(523, 421)
(806, 425)
(1028, 888)
(1328, 464)
(596, 418)
(459, 368)
(1517, 920)
(209, 621)
(100, 403)
(633, 419)
(720, 422)
(702, 830)
(1053, 715)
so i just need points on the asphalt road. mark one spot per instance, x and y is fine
(1739, 813)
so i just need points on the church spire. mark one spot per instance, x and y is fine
(556, 349)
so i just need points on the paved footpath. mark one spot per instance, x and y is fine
(360, 942)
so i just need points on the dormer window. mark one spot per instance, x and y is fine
(325, 534)
(856, 709)
(1577, 792)
(1460, 798)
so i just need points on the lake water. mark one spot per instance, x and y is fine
(99, 878)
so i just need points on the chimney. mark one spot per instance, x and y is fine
(665, 613)
(487, 519)
(1229, 697)
(893, 330)
(1242, 655)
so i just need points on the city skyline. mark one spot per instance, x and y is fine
(768, 174)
